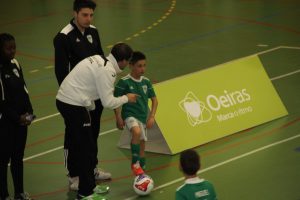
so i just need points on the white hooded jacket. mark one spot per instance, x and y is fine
(90, 80)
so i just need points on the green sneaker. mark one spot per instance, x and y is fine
(101, 189)
(94, 196)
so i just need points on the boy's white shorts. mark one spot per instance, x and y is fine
(132, 122)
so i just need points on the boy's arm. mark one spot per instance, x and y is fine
(119, 121)
(152, 113)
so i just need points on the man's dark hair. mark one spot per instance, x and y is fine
(79, 4)
(136, 56)
(189, 162)
(4, 37)
(121, 51)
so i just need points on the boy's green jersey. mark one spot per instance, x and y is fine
(143, 88)
(196, 189)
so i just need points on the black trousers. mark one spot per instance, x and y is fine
(95, 118)
(12, 145)
(71, 160)
(81, 144)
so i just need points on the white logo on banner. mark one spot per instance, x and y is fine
(196, 111)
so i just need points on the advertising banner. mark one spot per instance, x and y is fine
(207, 105)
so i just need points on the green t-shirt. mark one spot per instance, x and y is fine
(196, 189)
(142, 87)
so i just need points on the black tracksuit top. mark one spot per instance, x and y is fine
(71, 46)
(14, 94)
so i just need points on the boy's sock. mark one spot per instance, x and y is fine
(135, 152)
(143, 162)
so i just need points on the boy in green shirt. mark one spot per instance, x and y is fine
(135, 116)
(194, 188)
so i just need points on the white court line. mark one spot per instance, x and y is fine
(285, 75)
(43, 153)
(112, 130)
(259, 53)
(223, 163)
(46, 117)
(61, 147)
(34, 71)
(289, 47)
(272, 79)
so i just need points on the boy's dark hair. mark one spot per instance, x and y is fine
(189, 162)
(4, 37)
(136, 56)
(79, 4)
(121, 51)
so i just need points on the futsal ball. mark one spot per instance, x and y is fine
(143, 184)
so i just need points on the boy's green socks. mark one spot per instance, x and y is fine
(135, 152)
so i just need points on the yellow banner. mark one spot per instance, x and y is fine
(213, 103)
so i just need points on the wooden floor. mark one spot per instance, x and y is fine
(178, 37)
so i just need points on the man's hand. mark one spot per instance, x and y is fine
(24, 120)
(132, 97)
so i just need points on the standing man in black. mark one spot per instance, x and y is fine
(76, 41)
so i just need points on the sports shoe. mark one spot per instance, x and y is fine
(23, 196)
(137, 169)
(93, 196)
(101, 189)
(73, 183)
(101, 175)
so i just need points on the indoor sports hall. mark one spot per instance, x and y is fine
(180, 38)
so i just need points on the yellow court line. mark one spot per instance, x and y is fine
(160, 20)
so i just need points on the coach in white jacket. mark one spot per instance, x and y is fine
(91, 79)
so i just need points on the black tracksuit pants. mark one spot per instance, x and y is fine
(70, 160)
(81, 144)
(95, 118)
(12, 145)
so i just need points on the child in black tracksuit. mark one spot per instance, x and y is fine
(15, 116)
